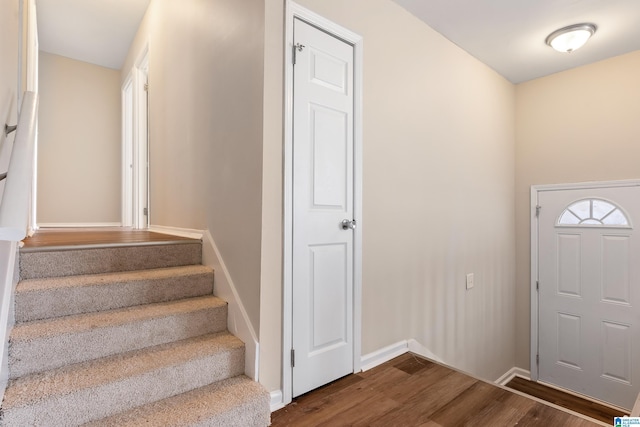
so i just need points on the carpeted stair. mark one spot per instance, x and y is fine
(125, 336)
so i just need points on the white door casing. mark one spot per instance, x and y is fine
(354, 41)
(322, 199)
(127, 153)
(135, 145)
(588, 298)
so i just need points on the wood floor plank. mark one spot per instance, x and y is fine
(566, 400)
(413, 391)
(465, 407)
(93, 236)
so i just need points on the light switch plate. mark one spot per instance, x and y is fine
(469, 280)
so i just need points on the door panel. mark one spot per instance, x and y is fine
(589, 299)
(322, 198)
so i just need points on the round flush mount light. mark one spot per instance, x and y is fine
(570, 38)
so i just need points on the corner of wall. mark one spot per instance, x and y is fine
(511, 373)
(417, 348)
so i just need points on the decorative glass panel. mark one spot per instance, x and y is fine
(593, 212)
(569, 217)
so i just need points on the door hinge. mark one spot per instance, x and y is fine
(145, 211)
(293, 358)
(537, 285)
(297, 48)
(538, 359)
(538, 207)
(146, 87)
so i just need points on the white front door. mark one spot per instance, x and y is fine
(589, 292)
(322, 198)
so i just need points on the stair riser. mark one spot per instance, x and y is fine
(94, 403)
(40, 354)
(45, 304)
(249, 414)
(237, 401)
(107, 260)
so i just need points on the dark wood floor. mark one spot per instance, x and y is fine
(566, 400)
(94, 236)
(412, 391)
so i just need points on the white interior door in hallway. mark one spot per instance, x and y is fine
(323, 197)
(589, 292)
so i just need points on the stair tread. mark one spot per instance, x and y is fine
(48, 283)
(199, 405)
(90, 321)
(78, 261)
(62, 381)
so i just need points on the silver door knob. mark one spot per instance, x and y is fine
(348, 224)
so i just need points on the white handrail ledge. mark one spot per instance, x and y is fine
(16, 200)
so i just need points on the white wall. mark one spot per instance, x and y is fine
(78, 142)
(575, 126)
(206, 83)
(439, 157)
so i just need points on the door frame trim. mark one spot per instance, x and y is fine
(135, 145)
(535, 191)
(293, 10)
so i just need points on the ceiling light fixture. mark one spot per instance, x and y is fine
(570, 38)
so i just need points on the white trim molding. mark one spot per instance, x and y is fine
(378, 357)
(294, 10)
(535, 190)
(79, 224)
(176, 231)
(8, 281)
(511, 374)
(237, 319)
(419, 349)
(276, 400)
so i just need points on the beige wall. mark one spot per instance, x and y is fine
(206, 84)
(79, 142)
(575, 126)
(439, 143)
(271, 271)
(9, 35)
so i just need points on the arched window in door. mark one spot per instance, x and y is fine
(593, 212)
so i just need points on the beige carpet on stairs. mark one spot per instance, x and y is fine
(125, 336)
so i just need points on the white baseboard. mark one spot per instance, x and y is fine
(276, 400)
(78, 224)
(378, 357)
(237, 320)
(176, 231)
(419, 349)
(8, 281)
(511, 373)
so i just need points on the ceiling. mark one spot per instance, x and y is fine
(509, 35)
(95, 31)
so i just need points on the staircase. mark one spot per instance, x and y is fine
(125, 336)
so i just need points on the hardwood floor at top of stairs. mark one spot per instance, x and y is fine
(52, 237)
(412, 391)
(123, 335)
